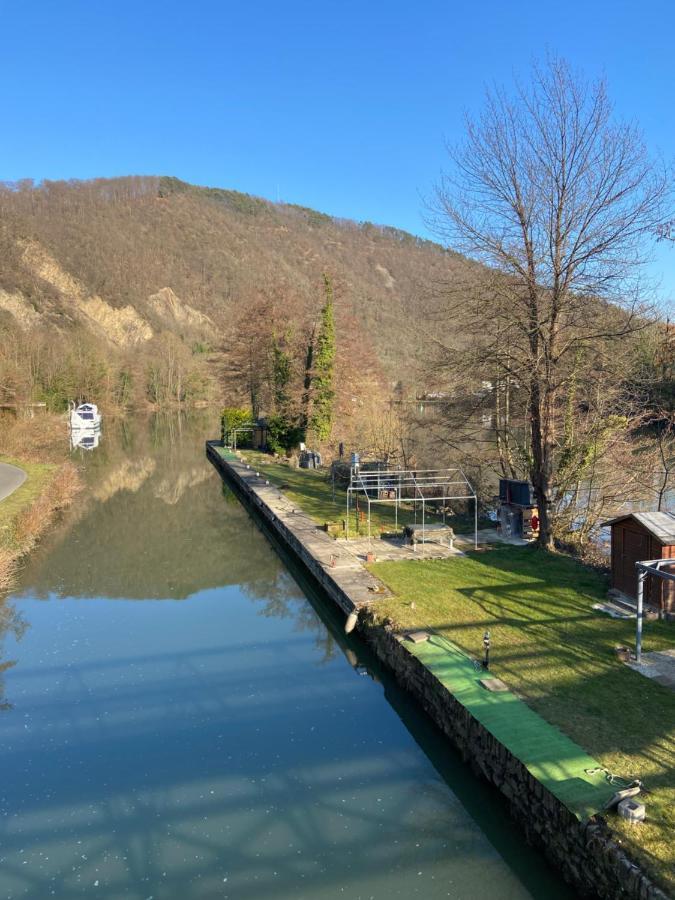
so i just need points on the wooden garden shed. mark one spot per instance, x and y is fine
(643, 536)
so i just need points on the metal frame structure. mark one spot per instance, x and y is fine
(647, 567)
(412, 486)
(235, 431)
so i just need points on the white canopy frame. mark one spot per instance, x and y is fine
(240, 429)
(647, 567)
(412, 486)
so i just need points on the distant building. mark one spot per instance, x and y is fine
(259, 435)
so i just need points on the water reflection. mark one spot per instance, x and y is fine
(226, 745)
(151, 524)
(83, 439)
(13, 625)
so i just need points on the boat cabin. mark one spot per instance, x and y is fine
(87, 412)
(85, 416)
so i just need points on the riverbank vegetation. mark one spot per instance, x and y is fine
(553, 650)
(40, 447)
(27, 513)
(39, 366)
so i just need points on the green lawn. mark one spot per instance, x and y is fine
(312, 490)
(556, 653)
(39, 476)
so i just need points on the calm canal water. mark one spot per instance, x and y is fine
(182, 719)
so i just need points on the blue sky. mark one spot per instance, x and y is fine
(342, 106)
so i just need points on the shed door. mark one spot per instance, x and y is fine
(635, 546)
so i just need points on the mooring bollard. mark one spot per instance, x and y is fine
(350, 624)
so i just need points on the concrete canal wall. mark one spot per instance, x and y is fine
(587, 854)
(338, 573)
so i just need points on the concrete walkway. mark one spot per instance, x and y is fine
(488, 536)
(659, 665)
(395, 549)
(338, 570)
(11, 477)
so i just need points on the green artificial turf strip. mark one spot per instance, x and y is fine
(556, 761)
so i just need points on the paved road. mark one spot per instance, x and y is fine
(10, 479)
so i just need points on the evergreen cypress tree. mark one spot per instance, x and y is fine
(281, 377)
(307, 384)
(321, 419)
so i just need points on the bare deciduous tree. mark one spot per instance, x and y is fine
(555, 197)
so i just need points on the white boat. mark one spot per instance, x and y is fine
(85, 417)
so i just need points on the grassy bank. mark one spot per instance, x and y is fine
(27, 513)
(312, 490)
(38, 478)
(556, 653)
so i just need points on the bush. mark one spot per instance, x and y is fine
(233, 417)
(283, 435)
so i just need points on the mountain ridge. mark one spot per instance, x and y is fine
(130, 259)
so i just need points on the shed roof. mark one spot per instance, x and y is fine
(660, 524)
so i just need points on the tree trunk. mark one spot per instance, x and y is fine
(541, 471)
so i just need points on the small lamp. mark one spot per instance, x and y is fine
(486, 648)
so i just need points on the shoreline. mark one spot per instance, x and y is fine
(588, 853)
(26, 515)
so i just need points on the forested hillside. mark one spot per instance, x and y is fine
(150, 290)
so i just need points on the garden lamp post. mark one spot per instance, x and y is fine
(486, 648)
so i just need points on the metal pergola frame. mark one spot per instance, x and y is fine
(412, 486)
(647, 567)
(239, 428)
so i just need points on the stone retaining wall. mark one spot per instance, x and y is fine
(587, 854)
(253, 501)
